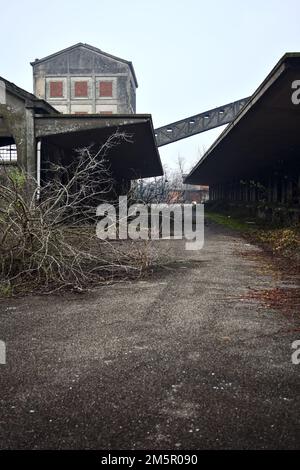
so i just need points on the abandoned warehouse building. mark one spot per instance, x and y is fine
(82, 96)
(82, 79)
(255, 161)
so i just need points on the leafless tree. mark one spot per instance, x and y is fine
(165, 189)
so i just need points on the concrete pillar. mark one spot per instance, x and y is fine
(237, 191)
(269, 189)
(282, 190)
(289, 191)
(274, 189)
(31, 157)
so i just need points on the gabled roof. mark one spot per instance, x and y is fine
(91, 48)
(29, 98)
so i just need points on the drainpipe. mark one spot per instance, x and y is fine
(38, 166)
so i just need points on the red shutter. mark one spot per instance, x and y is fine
(56, 89)
(105, 88)
(81, 89)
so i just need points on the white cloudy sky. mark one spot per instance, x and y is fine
(189, 56)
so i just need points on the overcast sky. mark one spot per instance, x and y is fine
(189, 56)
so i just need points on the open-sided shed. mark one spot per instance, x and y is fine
(257, 157)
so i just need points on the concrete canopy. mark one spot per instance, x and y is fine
(130, 160)
(265, 133)
(25, 120)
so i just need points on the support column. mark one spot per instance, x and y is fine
(274, 189)
(31, 164)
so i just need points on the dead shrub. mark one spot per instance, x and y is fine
(48, 240)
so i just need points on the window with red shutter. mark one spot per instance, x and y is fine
(105, 89)
(56, 89)
(81, 89)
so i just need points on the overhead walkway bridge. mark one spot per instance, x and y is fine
(199, 123)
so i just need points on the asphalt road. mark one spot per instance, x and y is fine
(183, 360)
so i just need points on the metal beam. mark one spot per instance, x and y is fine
(199, 123)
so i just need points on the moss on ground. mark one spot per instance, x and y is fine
(231, 222)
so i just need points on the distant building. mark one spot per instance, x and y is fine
(196, 193)
(82, 79)
(188, 193)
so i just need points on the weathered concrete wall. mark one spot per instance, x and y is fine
(82, 64)
(18, 121)
(55, 125)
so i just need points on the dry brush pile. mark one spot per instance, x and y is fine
(48, 240)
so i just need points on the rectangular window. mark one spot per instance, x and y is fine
(105, 89)
(106, 112)
(56, 90)
(81, 89)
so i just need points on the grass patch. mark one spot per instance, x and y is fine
(231, 222)
(277, 240)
